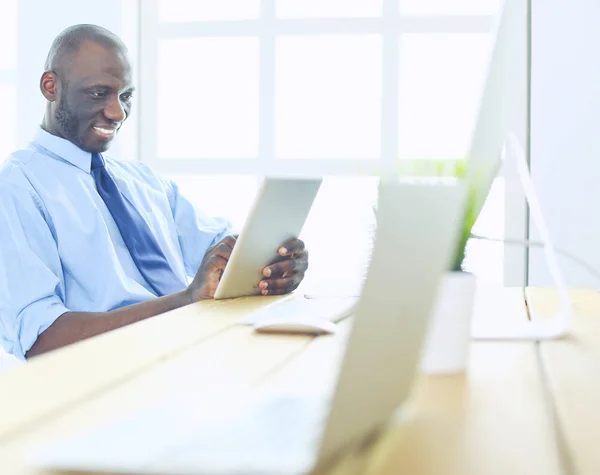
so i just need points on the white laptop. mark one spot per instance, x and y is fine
(415, 239)
(278, 214)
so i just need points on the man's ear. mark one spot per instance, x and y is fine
(50, 85)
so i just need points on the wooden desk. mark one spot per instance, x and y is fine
(572, 367)
(495, 419)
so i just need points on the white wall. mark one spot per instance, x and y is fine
(565, 131)
(39, 23)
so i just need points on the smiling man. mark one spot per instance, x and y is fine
(88, 243)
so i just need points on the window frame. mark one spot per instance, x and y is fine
(267, 28)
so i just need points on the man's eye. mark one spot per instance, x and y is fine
(97, 94)
(126, 97)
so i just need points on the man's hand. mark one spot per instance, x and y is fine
(287, 271)
(209, 273)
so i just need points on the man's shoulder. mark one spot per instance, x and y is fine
(16, 190)
(18, 174)
(14, 169)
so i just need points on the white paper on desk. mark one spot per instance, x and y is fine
(298, 307)
(255, 316)
(556, 326)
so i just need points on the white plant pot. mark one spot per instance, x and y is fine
(447, 342)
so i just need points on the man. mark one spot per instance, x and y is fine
(89, 244)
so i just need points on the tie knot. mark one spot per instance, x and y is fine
(97, 161)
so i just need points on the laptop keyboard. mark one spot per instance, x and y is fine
(275, 432)
(236, 433)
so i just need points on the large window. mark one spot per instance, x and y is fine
(234, 89)
(8, 67)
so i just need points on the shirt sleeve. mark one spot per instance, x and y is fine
(195, 229)
(31, 279)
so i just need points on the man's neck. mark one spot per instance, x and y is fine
(48, 128)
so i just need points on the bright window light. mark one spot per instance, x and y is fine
(8, 119)
(8, 35)
(328, 8)
(208, 98)
(228, 196)
(448, 7)
(328, 96)
(207, 10)
(317, 92)
(441, 79)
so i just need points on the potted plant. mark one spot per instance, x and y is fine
(449, 332)
(446, 346)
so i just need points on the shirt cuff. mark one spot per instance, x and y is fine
(35, 319)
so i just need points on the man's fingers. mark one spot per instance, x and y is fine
(229, 240)
(216, 263)
(276, 291)
(281, 285)
(284, 291)
(211, 269)
(287, 266)
(215, 267)
(281, 268)
(221, 249)
(293, 247)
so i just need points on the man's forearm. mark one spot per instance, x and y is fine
(75, 326)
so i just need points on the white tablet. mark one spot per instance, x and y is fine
(278, 214)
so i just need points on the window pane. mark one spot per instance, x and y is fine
(8, 35)
(229, 196)
(441, 78)
(8, 120)
(485, 259)
(208, 98)
(205, 10)
(338, 234)
(328, 8)
(328, 96)
(448, 7)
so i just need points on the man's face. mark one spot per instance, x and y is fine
(94, 97)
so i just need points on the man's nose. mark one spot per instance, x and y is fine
(114, 110)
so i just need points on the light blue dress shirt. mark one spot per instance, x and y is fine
(60, 249)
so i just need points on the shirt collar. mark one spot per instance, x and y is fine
(63, 149)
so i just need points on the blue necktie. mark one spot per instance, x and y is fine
(136, 233)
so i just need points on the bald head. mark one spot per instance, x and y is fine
(70, 40)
